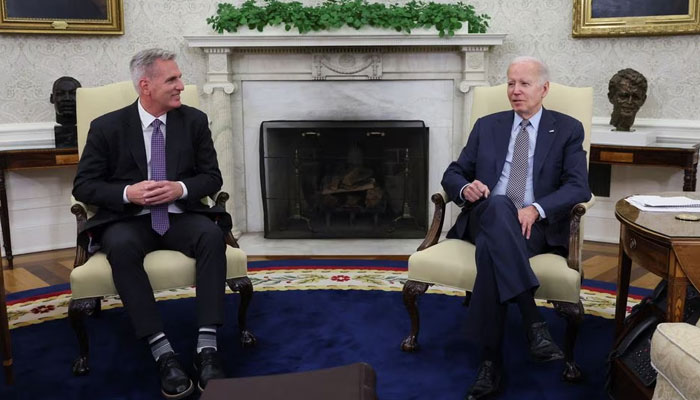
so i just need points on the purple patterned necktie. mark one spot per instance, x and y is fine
(159, 213)
(518, 166)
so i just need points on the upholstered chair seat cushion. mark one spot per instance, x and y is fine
(675, 354)
(444, 264)
(166, 269)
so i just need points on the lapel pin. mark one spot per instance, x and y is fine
(551, 131)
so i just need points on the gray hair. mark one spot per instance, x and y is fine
(542, 70)
(141, 64)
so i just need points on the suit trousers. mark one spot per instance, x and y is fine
(126, 244)
(503, 266)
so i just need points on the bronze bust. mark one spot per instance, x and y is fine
(63, 99)
(627, 91)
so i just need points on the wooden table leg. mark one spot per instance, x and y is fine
(5, 221)
(5, 334)
(623, 284)
(677, 286)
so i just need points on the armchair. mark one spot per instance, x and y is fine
(675, 354)
(91, 278)
(451, 262)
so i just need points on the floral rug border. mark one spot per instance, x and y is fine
(51, 307)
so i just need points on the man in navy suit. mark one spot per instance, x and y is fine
(517, 179)
(146, 167)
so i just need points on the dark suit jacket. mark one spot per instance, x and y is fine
(115, 156)
(560, 177)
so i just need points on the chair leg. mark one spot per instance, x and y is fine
(245, 287)
(573, 312)
(411, 291)
(77, 310)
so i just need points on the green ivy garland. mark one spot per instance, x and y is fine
(333, 14)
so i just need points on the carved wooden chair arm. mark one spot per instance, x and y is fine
(440, 200)
(80, 210)
(220, 198)
(83, 211)
(576, 235)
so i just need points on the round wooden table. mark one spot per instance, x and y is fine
(661, 244)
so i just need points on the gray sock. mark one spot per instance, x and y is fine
(206, 338)
(159, 345)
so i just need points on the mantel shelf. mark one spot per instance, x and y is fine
(350, 38)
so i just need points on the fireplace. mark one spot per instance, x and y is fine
(253, 77)
(344, 179)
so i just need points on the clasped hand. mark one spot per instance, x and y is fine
(526, 216)
(153, 192)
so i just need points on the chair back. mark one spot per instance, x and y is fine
(96, 101)
(576, 102)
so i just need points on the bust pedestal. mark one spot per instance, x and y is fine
(66, 136)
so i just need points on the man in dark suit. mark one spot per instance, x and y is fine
(517, 179)
(146, 167)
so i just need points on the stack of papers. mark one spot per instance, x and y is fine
(664, 204)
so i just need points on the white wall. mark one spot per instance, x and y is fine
(537, 27)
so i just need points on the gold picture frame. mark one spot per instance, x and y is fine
(81, 17)
(599, 18)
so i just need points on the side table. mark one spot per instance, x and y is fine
(677, 155)
(665, 246)
(27, 159)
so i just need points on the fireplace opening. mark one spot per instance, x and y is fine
(344, 179)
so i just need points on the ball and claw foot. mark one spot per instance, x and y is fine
(572, 372)
(410, 344)
(80, 366)
(248, 339)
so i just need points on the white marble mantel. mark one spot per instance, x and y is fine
(276, 37)
(369, 74)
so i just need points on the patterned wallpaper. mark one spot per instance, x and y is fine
(669, 63)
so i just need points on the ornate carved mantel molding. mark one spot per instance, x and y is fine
(274, 56)
(474, 66)
(346, 65)
(218, 75)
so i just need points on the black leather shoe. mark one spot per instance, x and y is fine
(488, 381)
(542, 346)
(174, 382)
(208, 366)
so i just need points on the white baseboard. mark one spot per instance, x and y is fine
(42, 238)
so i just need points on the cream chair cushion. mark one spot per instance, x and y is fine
(675, 354)
(452, 262)
(166, 270)
(445, 264)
